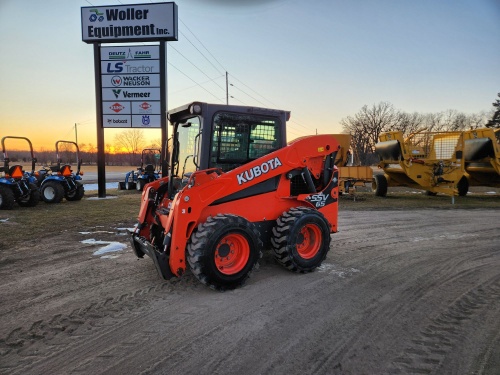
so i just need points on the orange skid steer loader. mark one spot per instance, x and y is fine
(235, 188)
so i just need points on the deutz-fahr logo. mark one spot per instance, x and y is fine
(258, 170)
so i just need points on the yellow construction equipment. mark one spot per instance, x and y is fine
(430, 161)
(350, 177)
(482, 157)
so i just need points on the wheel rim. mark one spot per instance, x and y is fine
(309, 241)
(232, 254)
(49, 193)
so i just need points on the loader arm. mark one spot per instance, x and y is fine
(207, 186)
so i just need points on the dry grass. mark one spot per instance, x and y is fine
(400, 198)
(32, 223)
(407, 199)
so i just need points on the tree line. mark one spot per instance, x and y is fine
(125, 150)
(366, 125)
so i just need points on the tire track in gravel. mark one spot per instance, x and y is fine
(332, 359)
(427, 352)
(16, 351)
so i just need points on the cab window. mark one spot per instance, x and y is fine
(240, 138)
(188, 145)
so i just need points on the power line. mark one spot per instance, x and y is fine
(199, 41)
(201, 53)
(206, 75)
(193, 80)
(190, 87)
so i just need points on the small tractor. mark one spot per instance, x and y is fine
(430, 161)
(482, 157)
(150, 170)
(15, 184)
(59, 181)
(235, 187)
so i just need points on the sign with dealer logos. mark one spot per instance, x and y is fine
(130, 80)
(129, 23)
(130, 86)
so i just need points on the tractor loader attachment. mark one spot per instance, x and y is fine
(219, 222)
(431, 161)
(482, 157)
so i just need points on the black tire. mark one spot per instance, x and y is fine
(463, 186)
(7, 198)
(121, 185)
(301, 239)
(210, 248)
(33, 198)
(379, 185)
(52, 192)
(77, 194)
(140, 185)
(129, 185)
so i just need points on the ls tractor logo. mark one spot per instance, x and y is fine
(96, 15)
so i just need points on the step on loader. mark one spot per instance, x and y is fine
(234, 188)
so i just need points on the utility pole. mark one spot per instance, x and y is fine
(227, 89)
(76, 133)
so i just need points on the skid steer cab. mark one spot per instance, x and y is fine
(235, 188)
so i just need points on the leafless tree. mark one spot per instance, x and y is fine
(132, 140)
(365, 128)
(494, 122)
(409, 123)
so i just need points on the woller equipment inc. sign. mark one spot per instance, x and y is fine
(129, 23)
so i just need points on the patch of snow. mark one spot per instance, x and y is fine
(448, 236)
(107, 197)
(110, 256)
(127, 229)
(331, 269)
(97, 231)
(4, 220)
(111, 246)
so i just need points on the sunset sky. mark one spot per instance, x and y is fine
(322, 60)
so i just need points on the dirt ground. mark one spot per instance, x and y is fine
(401, 292)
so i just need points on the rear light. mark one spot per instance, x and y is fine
(81, 173)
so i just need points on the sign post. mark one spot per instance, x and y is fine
(130, 80)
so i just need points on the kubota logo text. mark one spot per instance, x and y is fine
(258, 170)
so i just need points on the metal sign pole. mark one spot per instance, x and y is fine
(101, 171)
(163, 105)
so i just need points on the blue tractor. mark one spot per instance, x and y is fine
(16, 184)
(150, 170)
(59, 181)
